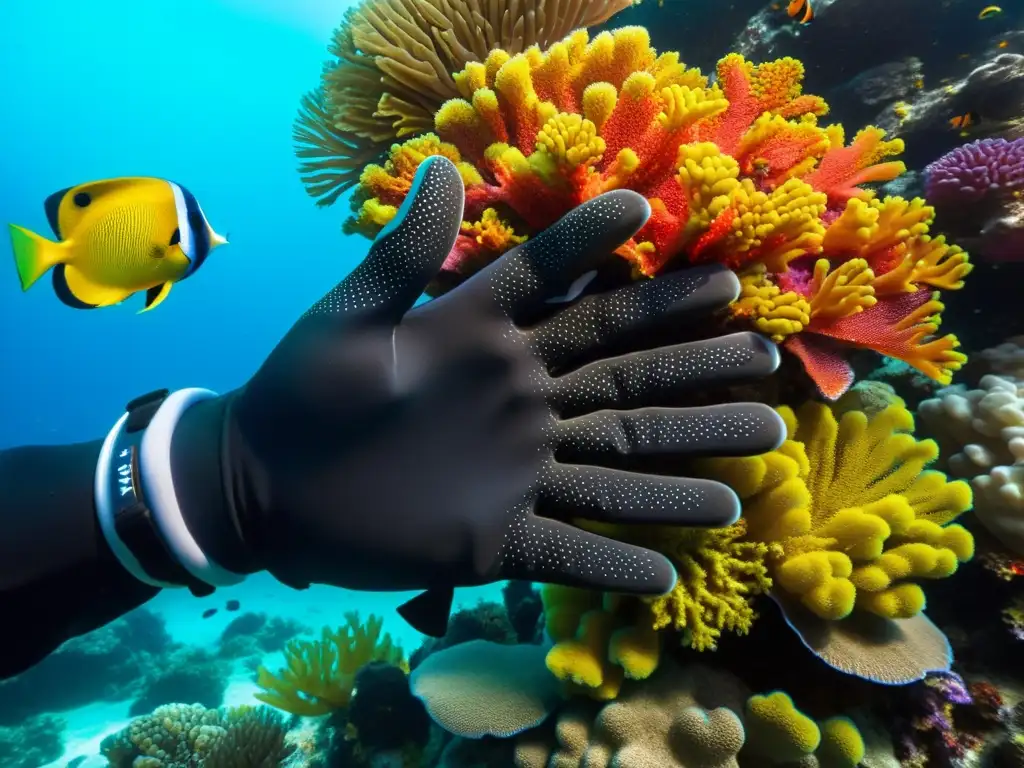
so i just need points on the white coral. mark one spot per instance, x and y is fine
(981, 436)
(1006, 359)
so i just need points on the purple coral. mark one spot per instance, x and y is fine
(973, 171)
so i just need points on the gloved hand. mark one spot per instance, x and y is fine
(384, 446)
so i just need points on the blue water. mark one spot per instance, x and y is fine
(200, 91)
(203, 92)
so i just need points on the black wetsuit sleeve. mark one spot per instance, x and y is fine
(58, 577)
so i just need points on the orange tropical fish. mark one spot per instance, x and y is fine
(963, 121)
(796, 6)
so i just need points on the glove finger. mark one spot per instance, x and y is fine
(631, 498)
(655, 377)
(547, 266)
(599, 321)
(408, 252)
(553, 552)
(734, 429)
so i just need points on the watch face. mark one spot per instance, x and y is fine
(125, 474)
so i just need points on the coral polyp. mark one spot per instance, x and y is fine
(737, 171)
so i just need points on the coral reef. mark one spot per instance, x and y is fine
(690, 717)
(110, 664)
(947, 721)
(191, 736)
(479, 688)
(320, 675)
(738, 172)
(840, 523)
(37, 741)
(680, 718)
(254, 634)
(189, 674)
(391, 68)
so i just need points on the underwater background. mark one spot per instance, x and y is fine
(207, 93)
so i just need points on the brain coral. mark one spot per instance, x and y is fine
(738, 172)
(989, 167)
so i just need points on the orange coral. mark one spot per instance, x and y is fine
(738, 172)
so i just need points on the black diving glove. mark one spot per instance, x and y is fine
(388, 447)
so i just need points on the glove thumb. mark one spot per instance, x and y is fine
(408, 252)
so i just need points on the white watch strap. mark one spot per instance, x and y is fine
(105, 509)
(158, 487)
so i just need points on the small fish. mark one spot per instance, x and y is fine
(796, 6)
(1003, 44)
(919, 83)
(209, 612)
(989, 11)
(116, 237)
(965, 120)
(232, 605)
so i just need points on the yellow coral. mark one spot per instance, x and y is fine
(842, 745)
(778, 730)
(682, 106)
(599, 642)
(777, 226)
(843, 291)
(491, 233)
(383, 187)
(583, 660)
(850, 512)
(870, 226)
(926, 261)
(708, 178)
(321, 674)
(565, 143)
(719, 575)
(774, 313)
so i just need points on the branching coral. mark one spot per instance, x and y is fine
(321, 673)
(392, 65)
(850, 513)
(737, 172)
(600, 641)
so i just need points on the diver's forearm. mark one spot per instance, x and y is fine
(58, 576)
